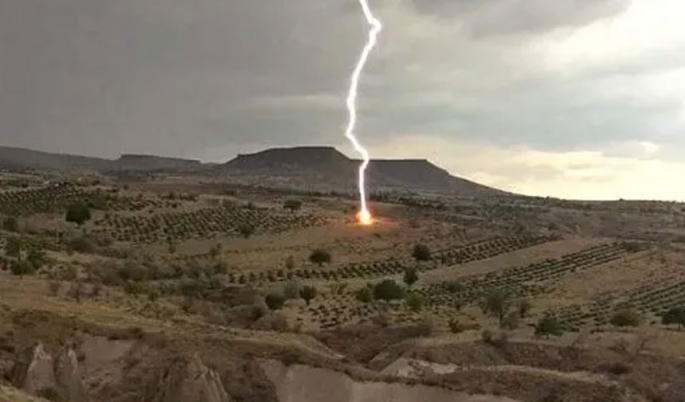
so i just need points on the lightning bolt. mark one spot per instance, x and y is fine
(376, 26)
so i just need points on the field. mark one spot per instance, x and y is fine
(198, 256)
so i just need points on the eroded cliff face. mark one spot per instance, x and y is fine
(96, 368)
(54, 377)
(189, 380)
(297, 383)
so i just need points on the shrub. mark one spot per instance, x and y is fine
(308, 293)
(80, 244)
(320, 257)
(290, 263)
(292, 205)
(456, 326)
(78, 213)
(36, 257)
(388, 290)
(14, 246)
(549, 325)
(291, 290)
(10, 224)
(410, 276)
(21, 268)
(497, 304)
(274, 301)
(627, 317)
(364, 295)
(511, 321)
(415, 302)
(674, 315)
(421, 252)
(246, 230)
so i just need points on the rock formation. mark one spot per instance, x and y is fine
(191, 381)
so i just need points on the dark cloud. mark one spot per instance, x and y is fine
(210, 78)
(502, 17)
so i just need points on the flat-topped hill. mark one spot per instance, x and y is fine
(331, 166)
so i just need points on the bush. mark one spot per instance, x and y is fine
(627, 317)
(10, 224)
(36, 257)
(290, 263)
(291, 290)
(364, 295)
(415, 302)
(675, 315)
(511, 321)
(410, 276)
(388, 290)
(13, 247)
(308, 293)
(78, 213)
(320, 257)
(274, 301)
(497, 304)
(421, 252)
(292, 205)
(246, 230)
(549, 325)
(21, 268)
(80, 244)
(456, 326)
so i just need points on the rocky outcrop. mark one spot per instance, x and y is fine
(40, 375)
(298, 383)
(54, 377)
(189, 380)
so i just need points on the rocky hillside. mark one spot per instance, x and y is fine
(314, 168)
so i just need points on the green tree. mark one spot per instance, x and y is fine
(274, 301)
(548, 325)
(10, 224)
(388, 290)
(364, 294)
(308, 293)
(14, 246)
(497, 304)
(36, 257)
(320, 257)
(410, 276)
(21, 268)
(246, 230)
(627, 317)
(675, 315)
(415, 302)
(421, 252)
(292, 205)
(78, 213)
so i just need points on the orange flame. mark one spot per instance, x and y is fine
(364, 217)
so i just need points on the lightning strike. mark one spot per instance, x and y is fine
(364, 216)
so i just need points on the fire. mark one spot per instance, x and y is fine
(364, 217)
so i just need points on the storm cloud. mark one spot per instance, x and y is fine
(208, 79)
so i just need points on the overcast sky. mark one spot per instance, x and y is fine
(570, 98)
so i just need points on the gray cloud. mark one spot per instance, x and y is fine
(210, 78)
(501, 17)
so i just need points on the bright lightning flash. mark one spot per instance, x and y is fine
(364, 216)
